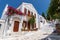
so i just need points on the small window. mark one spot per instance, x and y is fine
(31, 13)
(35, 15)
(25, 10)
(9, 10)
(0, 25)
(28, 13)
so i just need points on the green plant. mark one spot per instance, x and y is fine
(52, 10)
(32, 20)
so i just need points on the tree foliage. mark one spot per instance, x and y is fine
(32, 20)
(52, 9)
(43, 14)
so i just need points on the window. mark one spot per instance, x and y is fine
(35, 15)
(9, 10)
(24, 24)
(18, 9)
(35, 25)
(28, 13)
(25, 10)
(0, 25)
(31, 13)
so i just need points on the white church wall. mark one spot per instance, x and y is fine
(2, 26)
(10, 31)
(37, 20)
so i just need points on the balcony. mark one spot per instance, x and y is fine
(27, 25)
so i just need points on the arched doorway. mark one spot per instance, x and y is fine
(16, 26)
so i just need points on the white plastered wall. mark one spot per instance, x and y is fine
(2, 27)
(13, 18)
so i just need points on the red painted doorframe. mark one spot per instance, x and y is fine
(16, 26)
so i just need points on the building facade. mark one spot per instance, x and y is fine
(24, 18)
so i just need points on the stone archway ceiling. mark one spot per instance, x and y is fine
(13, 10)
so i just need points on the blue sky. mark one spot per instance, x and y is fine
(40, 5)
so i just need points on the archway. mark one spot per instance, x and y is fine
(16, 21)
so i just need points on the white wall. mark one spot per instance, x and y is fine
(2, 22)
(29, 7)
(11, 22)
(41, 18)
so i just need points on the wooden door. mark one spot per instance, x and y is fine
(16, 26)
(28, 25)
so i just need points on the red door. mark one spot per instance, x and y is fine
(16, 26)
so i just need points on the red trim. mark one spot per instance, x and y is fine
(14, 10)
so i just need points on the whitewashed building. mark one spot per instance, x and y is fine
(14, 21)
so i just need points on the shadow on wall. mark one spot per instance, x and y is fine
(54, 35)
